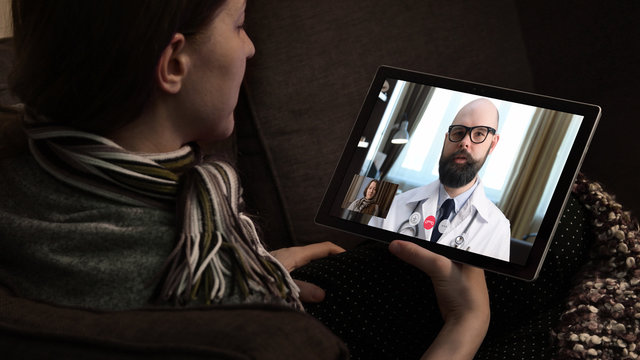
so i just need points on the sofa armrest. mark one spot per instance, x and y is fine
(30, 329)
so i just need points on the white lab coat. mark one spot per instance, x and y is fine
(489, 234)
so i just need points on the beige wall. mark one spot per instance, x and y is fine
(5, 18)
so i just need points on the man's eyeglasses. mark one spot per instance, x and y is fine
(477, 134)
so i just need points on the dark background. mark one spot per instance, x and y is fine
(598, 43)
(586, 50)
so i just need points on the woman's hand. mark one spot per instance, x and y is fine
(295, 257)
(462, 296)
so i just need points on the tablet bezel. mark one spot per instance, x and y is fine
(528, 271)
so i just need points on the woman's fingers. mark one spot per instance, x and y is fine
(310, 293)
(431, 263)
(295, 257)
(461, 289)
(318, 251)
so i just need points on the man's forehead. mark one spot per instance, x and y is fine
(476, 116)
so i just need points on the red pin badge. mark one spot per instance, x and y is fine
(429, 222)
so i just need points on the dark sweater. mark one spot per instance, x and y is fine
(70, 247)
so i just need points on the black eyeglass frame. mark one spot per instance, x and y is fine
(469, 130)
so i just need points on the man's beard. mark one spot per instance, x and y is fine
(458, 175)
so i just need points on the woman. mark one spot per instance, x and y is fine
(109, 203)
(367, 204)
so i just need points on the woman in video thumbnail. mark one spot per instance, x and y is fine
(367, 204)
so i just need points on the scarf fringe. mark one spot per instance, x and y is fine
(217, 242)
(260, 274)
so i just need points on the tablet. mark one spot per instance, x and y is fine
(477, 173)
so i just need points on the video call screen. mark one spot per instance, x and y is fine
(422, 143)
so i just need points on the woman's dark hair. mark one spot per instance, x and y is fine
(367, 188)
(91, 64)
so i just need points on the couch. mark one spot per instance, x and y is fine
(301, 94)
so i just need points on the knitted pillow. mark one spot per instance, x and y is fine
(601, 319)
(523, 313)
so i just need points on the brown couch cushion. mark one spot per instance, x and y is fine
(6, 61)
(34, 330)
(315, 60)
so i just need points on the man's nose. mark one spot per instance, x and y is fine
(465, 142)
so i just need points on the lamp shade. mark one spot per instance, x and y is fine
(402, 135)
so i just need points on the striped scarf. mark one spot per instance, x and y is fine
(217, 252)
(362, 204)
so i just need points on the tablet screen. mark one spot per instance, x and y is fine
(478, 173)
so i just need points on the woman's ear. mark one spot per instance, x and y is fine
(173, 65)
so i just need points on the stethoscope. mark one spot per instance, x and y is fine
(459, 241)
(414, 219)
